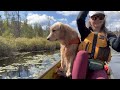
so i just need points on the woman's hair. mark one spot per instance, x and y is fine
(103, 27)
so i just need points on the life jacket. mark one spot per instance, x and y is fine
(96, 45)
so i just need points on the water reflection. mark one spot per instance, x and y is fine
(115, 66)
(29, 67)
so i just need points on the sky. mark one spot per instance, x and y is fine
(67, 17)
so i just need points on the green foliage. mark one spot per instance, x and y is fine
(27, 31)
(9, 45)
(9, 27)
(38, 30)
(35, 44)
(7, 34)
(7, 31)
(0, 32)
(45, 33)
(5, 26)
(6, 47)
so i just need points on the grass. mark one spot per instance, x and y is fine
(9, 45)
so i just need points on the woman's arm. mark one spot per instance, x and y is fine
(83, 30)
(114, 41)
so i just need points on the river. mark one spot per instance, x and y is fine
(28, 66)
(32, 65)
(115, 65)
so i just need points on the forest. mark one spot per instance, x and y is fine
(18, 36)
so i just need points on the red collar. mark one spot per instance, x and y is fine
(74, 41)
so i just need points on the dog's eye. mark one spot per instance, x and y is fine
(54, 30)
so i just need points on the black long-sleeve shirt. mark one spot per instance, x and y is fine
(113, 40)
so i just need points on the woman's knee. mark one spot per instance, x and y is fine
(100, 78)
(82, 54)
(81, 59)
(80, 62)
(101, 74)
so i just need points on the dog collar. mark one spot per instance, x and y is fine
(74, 41)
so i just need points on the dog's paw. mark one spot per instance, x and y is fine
(61, 69)
(68, 74)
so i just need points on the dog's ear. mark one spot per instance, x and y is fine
(62, 30)
(60, 26)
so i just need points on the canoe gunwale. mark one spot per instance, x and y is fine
(49, 69)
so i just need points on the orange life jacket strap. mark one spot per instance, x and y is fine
(94, 45)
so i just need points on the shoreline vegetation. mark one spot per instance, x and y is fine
(10, 45)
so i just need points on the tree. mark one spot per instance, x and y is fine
(17, 29)
(25, 16)
(12, 22)
(46, 31)
(38, 30)
(7, 31)
(6, 14)
(1, 25)
(27, 30)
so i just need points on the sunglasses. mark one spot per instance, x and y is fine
(100, 17)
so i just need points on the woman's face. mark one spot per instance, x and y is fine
(97, 21)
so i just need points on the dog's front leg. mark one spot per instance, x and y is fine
(69, 67)
(62, 57)
(68, 73)
(62, 63)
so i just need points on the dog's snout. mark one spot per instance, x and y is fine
(48, 38)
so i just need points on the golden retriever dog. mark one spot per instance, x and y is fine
(69, 41)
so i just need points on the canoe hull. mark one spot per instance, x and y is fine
(51, 73)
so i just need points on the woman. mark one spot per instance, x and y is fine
(94, 48)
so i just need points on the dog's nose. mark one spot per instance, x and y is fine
(48, 38)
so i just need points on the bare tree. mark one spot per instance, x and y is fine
(1, 25)
(25, 16)
(7, 16)
(13, 24)
(18, 24)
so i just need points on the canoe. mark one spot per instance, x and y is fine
(51, 72)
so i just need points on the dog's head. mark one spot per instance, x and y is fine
(56, 32)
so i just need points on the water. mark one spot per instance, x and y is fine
(115, 66)
(35, 64)
(27, 67)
